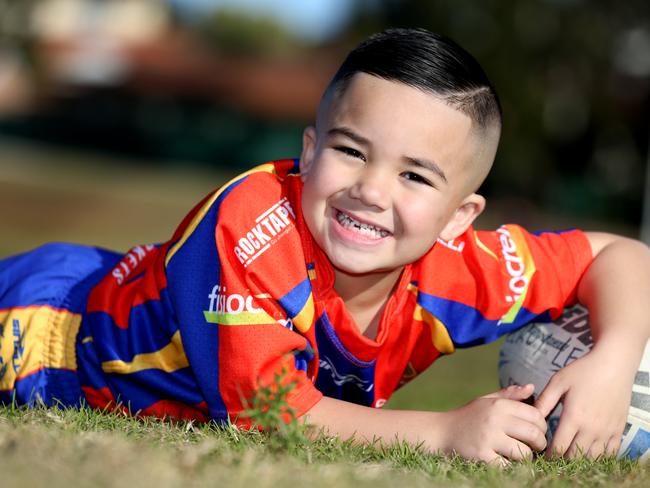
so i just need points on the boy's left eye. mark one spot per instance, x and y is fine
(409, 175)
(348, 151)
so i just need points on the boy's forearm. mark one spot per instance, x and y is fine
(365, 424)
(491, 428)
(616, 290)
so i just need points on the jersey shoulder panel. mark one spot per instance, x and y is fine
(254, 186)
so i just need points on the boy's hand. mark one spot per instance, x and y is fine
(497, 428)
(595, 391)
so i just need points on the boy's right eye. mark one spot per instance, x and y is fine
(348, 151)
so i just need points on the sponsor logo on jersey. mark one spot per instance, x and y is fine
(239, 309)
(18, 347)
(519, 266)
(233, 308)
(342, 379)
(130, 262)
(269, 227)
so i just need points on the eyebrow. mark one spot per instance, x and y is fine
(428, 165)
(350, 134)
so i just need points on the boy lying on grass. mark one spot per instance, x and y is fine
(351, 269)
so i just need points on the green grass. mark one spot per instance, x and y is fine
(56, 447)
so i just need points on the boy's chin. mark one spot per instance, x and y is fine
(356, 268)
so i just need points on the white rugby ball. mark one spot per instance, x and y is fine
(535, 352)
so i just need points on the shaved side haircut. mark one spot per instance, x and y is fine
(429, 62)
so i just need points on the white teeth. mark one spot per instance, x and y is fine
(363, 229)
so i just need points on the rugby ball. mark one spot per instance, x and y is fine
(535, 352)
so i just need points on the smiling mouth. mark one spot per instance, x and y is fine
(366, 230)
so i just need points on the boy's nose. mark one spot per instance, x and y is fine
(372, 188)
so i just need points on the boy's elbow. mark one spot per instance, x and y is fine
(600, 241)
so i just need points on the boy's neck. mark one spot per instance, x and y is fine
(365, 296)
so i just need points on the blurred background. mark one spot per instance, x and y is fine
(116, 116)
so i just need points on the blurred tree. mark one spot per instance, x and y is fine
(19, 73)
(15, 23)
(237, 32)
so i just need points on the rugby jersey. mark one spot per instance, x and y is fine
(241, 294)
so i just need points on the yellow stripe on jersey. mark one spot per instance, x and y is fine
(483, 247)
(168, 359)
(439, 334)
(263, 168)
(305, 317)
(240, 318)
(524, 257)
(36, 337)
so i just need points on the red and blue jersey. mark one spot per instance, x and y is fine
(241, 293)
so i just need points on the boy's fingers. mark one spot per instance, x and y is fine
(549, 398)
(562, 439)
(514, 392)
(597, 449)
(513, 450)
(600, 447)
(499, 461)
(520, 452)
(531, 414)
(529, 433)
(613, 445)
(582, 445)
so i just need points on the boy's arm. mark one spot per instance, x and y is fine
(596, 389)
(494, 428)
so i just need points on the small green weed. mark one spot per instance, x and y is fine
(270, 411)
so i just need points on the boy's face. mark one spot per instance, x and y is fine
(386, 172)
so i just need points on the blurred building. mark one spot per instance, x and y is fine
(85, 42)
(125, 75)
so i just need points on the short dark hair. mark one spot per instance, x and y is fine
(429, 62)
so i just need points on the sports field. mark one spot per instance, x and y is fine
(54, 195)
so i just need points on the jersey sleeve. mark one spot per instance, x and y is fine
(237, 285)
(489, 283)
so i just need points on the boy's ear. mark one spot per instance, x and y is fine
(308, 150)
(470, 208)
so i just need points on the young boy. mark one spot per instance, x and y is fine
(349, 271)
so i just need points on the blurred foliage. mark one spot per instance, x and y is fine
(239, 33)
(14, 19)
(15, 27)
(160, 129)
